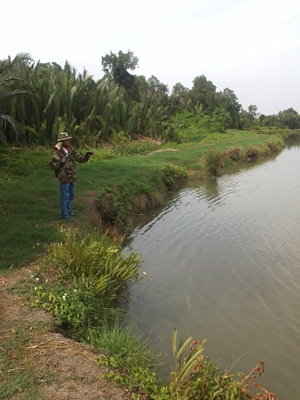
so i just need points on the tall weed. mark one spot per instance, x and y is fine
(196, 377)
(116, 206)
(212, 160)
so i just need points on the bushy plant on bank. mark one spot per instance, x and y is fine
(214, 160)
(90, 278)
(194, 376)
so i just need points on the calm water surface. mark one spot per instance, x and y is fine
(222, 260)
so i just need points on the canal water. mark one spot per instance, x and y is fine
(221, 262)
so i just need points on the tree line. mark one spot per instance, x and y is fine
(37, 100)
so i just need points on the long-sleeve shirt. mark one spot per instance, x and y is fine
(63, 162)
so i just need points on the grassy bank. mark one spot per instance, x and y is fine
(81, 278)
(29, 197)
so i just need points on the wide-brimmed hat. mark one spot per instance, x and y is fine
(63, 136)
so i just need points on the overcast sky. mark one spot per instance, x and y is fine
(249, 46)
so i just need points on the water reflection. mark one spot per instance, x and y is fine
(292, 141)
(222, 260)
(208, 188)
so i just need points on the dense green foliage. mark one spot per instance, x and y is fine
(37, 100)
(98, 272)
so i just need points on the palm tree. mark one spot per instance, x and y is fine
(11, 129)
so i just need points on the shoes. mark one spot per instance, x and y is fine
(69, 216)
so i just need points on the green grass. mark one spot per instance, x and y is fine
(28, 216)
(29, 192)
(126, 345)
(132, 360)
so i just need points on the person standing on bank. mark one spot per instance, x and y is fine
(63, 163)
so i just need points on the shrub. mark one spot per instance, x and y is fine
(212, 160)
(116, 207)
(235, 154)
(77, 307)
(92, 275)
(171, 175)
(196, 377)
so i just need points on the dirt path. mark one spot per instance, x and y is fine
(71, 367)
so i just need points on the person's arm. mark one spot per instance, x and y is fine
(57, 160)
(80, 158)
